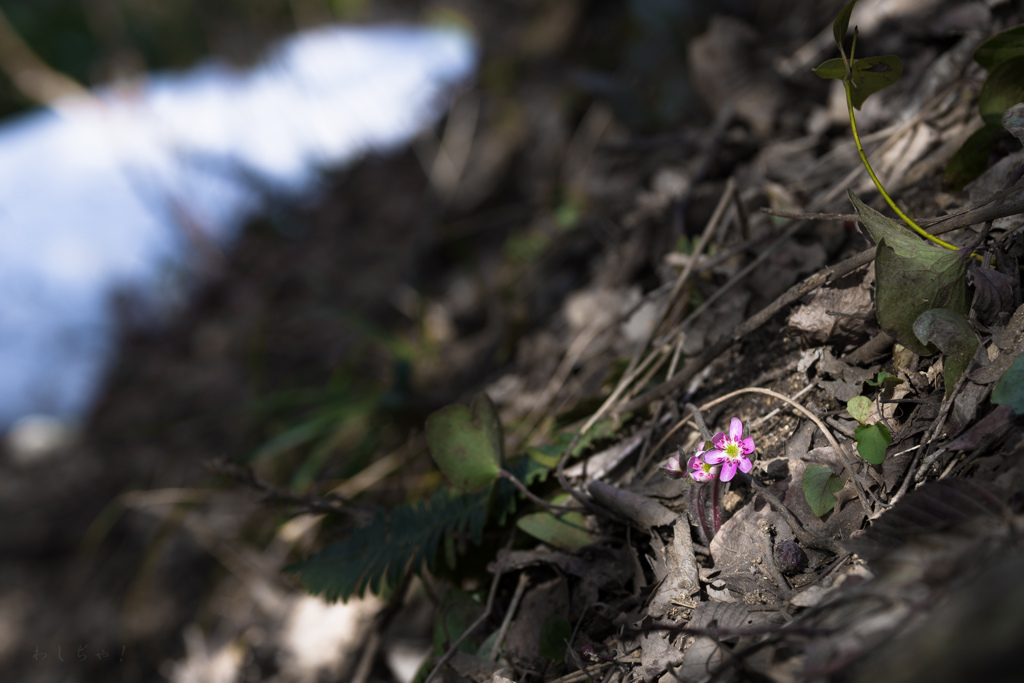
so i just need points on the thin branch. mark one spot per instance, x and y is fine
(524, 580)
(331, 503)
(801, 216)
(469, 631)
(505, 474)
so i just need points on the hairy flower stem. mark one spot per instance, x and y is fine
(716, 508)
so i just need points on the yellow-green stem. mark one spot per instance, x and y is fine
(878, 184)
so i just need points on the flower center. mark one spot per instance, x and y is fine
(732, 450)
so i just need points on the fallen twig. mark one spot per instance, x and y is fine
(454, 647)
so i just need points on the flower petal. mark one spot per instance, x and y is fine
(747, 446)
(736, 429)
(714, 457)
(672, 469)
(701, 476)
(728, 470)
(745, 464)
(695, 463)
(718, 440)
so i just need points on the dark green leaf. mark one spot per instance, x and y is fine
(568, 530)
(884, 377)
(872, 74)
(831, 69)
(457, 611)
(954, 336)
(911, 277)
(548, 456)
(486, 414)
(859, 407)
(465, 444)
(1003, 88)
(377, 555)
(1001, 47)
(868, 75)
(294, 437)
(820, 486)
(971, 160)
(842, 24)
(1010, 389)
(872, 440)
(554, 634)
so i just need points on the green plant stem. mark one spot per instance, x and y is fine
(878, 184)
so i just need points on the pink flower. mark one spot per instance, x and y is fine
(701, 471)
(731, 451)
(673, 469)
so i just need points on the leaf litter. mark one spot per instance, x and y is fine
(647, 598)
(728, 610)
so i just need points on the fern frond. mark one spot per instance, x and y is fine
(378, 555)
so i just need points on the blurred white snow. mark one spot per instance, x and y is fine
(123, 194)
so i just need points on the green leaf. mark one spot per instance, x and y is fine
(1010, 389)
(466, 444)
(485, 411)
(293, 437)
(867, 76)
(954, 336)
(831, 69)
(548, 456)
(872, 440)
(842, 24)
(859, 407)
(911, 277)
(456, 613)
(377, 555)
(554, 634)
(1003, 88)
(820, 486)
(568, 530)
(971, 160)
(884, 377)
(1001, 47)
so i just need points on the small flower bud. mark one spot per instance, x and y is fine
(789, 557)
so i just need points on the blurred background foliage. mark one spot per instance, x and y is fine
(496, 259)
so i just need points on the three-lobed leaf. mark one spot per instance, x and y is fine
(1009, 390)
(1003, 88)
(971, 160)
(867, 76)
(1001, 47)
(884, 377)
(954, 336)
(554, 634)
(911, 277)
(820, 486)
(466, 444)
(859, 407)
(872, 440)
(568, 530)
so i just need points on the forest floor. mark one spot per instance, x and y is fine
(591, 280)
